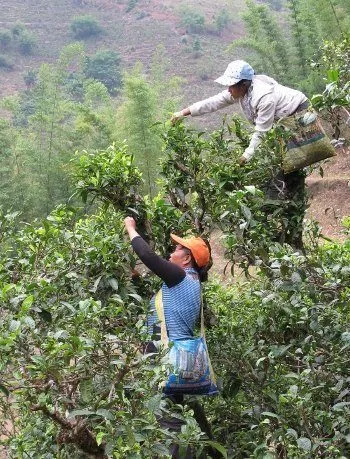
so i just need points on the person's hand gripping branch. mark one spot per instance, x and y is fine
(130, 226)
(178, 116)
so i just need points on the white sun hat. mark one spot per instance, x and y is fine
(235, 72)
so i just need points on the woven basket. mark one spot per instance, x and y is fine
(307, 142)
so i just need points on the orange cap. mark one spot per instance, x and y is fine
(198, 247)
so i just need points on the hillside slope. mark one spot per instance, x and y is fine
(330, 195)
(133, 31)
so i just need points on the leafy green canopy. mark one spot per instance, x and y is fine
(69, 336)
(192, 19)
(203, 179)
(145, 101)
(104, 66)
(84, 27)
(73, 325)
(282, 347)
(334, 65)
(135, 118)
(112, 177)
(72, 321)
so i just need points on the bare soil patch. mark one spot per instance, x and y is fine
(330, 195)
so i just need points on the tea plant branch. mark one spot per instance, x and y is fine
(181, 167)
(75, 432)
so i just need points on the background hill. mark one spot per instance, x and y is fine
(134, 29)
(195, 37)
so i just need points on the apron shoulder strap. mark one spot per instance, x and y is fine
(158, 302)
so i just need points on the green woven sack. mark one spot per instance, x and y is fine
(306, 141)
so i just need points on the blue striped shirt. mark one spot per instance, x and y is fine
(181, 304)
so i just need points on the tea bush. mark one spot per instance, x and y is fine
(73, 378)
(282, 348)
(206, 168)
(26, 43)
(73, 326)
(84, 27)
(104, 66)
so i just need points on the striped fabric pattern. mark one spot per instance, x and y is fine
(181, 307)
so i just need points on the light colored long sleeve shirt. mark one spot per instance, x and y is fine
(265, 102)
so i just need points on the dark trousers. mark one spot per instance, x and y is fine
(166, 421)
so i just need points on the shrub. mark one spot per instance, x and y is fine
(74, 85)
(88, 390)
(74, 324)
(222, 20)
(85, 27)
(104, 66)
(30, 77)
(282, 349)
(275, 4)
(197, 48)
(192, 19)
(203, 74)
(5, 38)
(18, 29)
(141, 15)
(131, 5)
(26, 43)
(5, 63)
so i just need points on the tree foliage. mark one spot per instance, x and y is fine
(84, 27)
(192, 19)
(332, 17)
(136, 116)
(104, 66)
(334, 102)
(48, 125)
(26, 43)
(266, 38)
(18, 38)
(5, 39)
(289, 52)
(222, 20)
(6, 63)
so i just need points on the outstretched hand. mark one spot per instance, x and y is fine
(242, 161)
(177, 116)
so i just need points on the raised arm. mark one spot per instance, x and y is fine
(170, 273)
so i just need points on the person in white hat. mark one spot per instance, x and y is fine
(262, 101)
(261, 98)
